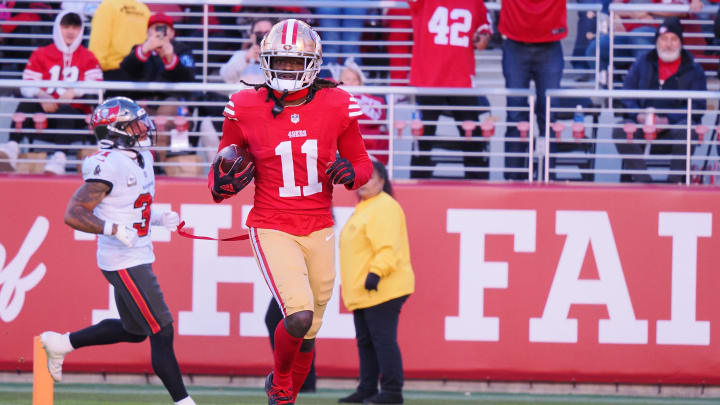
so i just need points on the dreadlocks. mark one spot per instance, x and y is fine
(317, 85)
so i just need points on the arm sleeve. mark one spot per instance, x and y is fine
(231, 71)
(97, 168)
(100, 35)
(180, 69)
(484, 23)
(382, 232)
(134, 63)
(33, 71)
(352, 148)
(631, 83)
(91, 72)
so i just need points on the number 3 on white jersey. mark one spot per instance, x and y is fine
(289, 188)
(439, 22)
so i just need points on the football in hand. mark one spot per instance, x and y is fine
(230, 154)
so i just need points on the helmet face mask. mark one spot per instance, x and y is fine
(120, 123)
(290, 39)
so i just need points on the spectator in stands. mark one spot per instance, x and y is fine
(160, 59)
(395, 51)
(433, 42)
(668, 67)
(117, 26)
(63, 60)
(352, 24)
(244, 64)
(24, 21)
(531, 51)
(377, 279)
(374, 134)
(637, 39)
(586, 29)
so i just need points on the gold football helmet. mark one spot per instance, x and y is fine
(296, 39)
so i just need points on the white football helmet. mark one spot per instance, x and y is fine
(291, 38)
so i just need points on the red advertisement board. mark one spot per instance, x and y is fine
(542, 283)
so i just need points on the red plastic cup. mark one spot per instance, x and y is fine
(524, 128)
(630, 129)
(650, 132)
(558, 127)
(468, 128)
(701, 131)
(40, 120)
(488, 128)
(399, 127)
(18, 118)
(578, 130)
(416, 127)
(160, 122)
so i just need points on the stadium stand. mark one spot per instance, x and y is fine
(215, 31)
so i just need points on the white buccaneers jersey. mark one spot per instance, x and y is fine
(128, 203)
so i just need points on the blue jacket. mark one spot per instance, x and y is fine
(643, 75)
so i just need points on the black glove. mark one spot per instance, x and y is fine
(341, 172)
(228, 184)
(372, 281)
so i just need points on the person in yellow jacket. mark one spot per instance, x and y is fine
(117, 26)
(377, 278)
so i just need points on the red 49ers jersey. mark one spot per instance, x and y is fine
(444, 31)
(48, 63)
(292, 151)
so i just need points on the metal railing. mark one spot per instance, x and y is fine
(614, 128)
(214, 43)
(401, 130)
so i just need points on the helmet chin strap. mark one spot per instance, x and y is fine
(278, 107)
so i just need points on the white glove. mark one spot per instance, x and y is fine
(128, 236)
(167, 219)
(170, 220)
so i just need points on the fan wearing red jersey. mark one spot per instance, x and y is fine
(293, 125)
(449, 30)
(63, 60)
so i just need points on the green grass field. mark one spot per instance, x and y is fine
(86, 394)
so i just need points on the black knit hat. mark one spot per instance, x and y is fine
(671, 24)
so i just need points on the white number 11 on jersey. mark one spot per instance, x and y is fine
(289, 188)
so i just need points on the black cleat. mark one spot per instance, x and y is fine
(277, 396)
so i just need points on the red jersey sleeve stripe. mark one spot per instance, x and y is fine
(265, 268)
(139, 300)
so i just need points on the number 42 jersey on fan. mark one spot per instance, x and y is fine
(444, 41)
(291, 152)
(132, 189)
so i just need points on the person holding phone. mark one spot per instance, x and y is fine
(245, 63)
(160, 59)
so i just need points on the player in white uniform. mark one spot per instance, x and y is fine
(115, 202)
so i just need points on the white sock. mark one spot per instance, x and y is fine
(67, 347)
(186, 401)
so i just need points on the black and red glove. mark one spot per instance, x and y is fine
(226, 185)
(341, 172)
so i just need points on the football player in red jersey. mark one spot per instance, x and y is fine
(293, 125)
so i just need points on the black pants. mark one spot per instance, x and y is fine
(676, 152)
(30, 108)
(273, 316)
(474, 145)
(380, 358)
